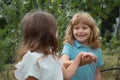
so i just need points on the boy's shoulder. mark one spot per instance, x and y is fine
(69, 45)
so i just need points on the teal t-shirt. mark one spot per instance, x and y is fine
(85, 72)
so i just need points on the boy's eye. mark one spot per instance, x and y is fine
(84, 27)
(76, 28)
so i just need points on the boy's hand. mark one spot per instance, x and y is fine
(87, 58)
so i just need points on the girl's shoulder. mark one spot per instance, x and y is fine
(31, 56)
(28, 58)
(28, 66)
(33, 63)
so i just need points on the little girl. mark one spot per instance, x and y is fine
(82, 35)
(37, 55)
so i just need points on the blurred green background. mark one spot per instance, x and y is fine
(105, 12)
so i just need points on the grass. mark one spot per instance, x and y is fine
(110, 62)
(8, 73)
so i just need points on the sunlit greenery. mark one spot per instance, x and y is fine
(12, 11)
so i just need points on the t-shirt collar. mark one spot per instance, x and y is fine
(77, 43)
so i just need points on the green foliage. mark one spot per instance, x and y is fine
(111, 47)
(13, 12)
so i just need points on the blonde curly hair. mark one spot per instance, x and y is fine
(83, 18)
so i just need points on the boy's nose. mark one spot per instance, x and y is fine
(80, 30)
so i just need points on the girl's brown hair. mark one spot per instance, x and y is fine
(39, 34)
(83, 18)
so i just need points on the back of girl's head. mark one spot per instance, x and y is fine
(39, 33)
(83, 18)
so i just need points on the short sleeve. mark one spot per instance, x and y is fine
(27, 67)
(100, 61)
(67, 49)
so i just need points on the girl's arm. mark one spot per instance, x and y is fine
(87, 60)
(70, 67)
(83, 62)
(31, 78)
(98, 74)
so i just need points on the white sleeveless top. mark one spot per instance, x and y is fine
(46, 68)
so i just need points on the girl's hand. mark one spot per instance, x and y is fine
(87, 58)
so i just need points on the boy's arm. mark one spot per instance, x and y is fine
(98, 74)
(86, 60)
(83, 62)
(70, 67)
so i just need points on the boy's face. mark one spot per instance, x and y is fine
(81, 32)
